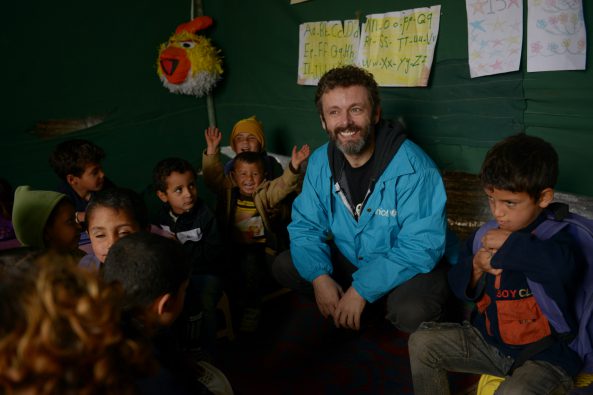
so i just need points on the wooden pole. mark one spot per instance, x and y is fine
(197, 9)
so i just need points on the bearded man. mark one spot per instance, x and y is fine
(370, 223)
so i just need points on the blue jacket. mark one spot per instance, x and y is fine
(400, 231)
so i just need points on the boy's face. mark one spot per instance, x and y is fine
(515, 210)
(181, 193)
(248, 176)
(243, 142)
(63, 234)
(91, 180)
(106, 226)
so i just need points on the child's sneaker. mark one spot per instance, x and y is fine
(250, 319)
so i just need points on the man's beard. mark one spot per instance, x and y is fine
(352, 147)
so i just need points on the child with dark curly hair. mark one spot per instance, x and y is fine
(60, 332)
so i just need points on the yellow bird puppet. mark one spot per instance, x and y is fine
(188, 63)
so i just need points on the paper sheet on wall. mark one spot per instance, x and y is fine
(556, 35)
(325, 45)
(494, 36)
(398, 47)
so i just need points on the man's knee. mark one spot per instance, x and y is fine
(407, 315)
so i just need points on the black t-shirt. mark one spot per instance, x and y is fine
(359, 180)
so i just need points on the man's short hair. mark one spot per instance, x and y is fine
(250, 158)
(344, 77)
(165, 167)
(147, 266)
(72, 157)
(521, 163)
(121, 199)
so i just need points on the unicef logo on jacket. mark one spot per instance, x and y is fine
(386, 213)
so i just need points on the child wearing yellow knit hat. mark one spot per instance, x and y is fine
(248, 135)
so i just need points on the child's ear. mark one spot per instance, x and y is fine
(164, 308)
(545, 198)
(163, 196)
(71, 179)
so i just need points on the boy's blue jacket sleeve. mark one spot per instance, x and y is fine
(400, 233)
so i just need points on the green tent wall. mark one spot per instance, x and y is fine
(69, 59)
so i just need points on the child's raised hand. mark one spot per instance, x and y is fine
(298, 157)
(213, 137)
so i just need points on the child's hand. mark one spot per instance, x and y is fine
(213, 137)
(495, 238)
(298, 157)
(482, 261)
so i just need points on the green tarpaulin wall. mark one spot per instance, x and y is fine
(72, 59)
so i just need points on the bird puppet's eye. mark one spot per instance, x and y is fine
(187, 44)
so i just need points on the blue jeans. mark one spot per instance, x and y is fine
(438, 348)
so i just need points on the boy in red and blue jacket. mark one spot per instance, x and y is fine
(508, 326)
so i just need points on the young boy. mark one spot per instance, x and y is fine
(154, 274)
(518, 175)
(187, 217)
(250, 208)
(45, 220)
(248, 136)
(78, 165)
(112, 214)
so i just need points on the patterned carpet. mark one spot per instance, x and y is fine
(296, 351)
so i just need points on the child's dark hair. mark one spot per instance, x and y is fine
(123, 199)
(250, 158)
(344, 77)
(72, 156)
(521, 163)
(164, 168)
(147, 266)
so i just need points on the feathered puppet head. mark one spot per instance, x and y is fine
(188, 63)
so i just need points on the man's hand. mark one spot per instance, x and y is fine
(349, 310)
(327, 294)
(213, 137)
(299, 156)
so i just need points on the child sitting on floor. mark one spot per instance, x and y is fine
(190, 221)
(45, 220)
(60, 332)
(249, 208)
(518, 176)
(154, 274)
(77, 163)
(112, 214)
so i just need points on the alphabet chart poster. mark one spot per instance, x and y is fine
(556, 35)
(494, 36)
(325, 45)
(398, 47)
